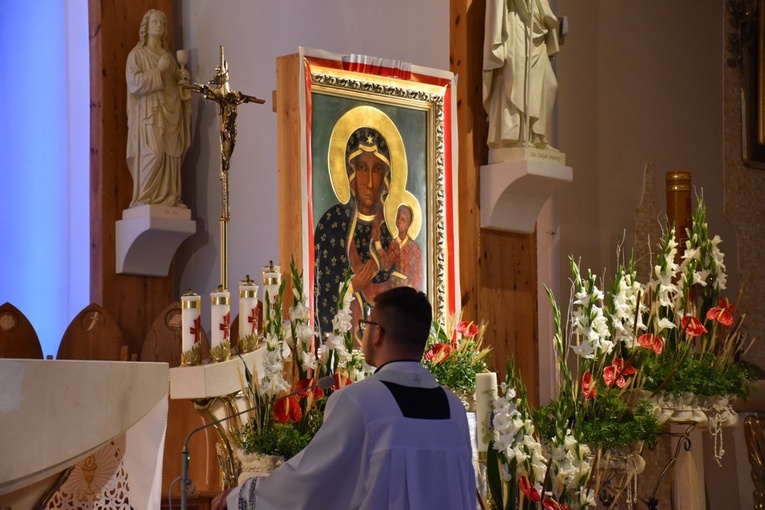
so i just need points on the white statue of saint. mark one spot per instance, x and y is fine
(159, 116)
(505, 63)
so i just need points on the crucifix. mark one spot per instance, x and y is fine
(218, 90)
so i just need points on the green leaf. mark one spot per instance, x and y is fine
(493, 477)
(247, 373)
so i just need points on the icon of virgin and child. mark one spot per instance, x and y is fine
(374, 226)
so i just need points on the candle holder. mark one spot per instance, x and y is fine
(248, 316)
(191, 329)
(220, 346)
(272, 281)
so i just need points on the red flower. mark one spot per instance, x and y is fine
(588, 386)
(650, 341)
(721, 315)
(693, 326)
(341, 381)
(551, 504)
(438, 353)
(617, 372)
(287, 409)
(468, 329)
(316, 392)
(724, 303)
(528, 489)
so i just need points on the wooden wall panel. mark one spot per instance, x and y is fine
(287, 104)
(497, 270)
(133, 301)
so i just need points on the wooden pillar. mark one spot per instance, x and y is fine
(132, 301)
(497, 270)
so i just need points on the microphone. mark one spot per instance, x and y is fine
(324, 383)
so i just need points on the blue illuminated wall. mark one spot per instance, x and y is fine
(44, 173)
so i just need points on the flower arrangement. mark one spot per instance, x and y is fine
(455, 354)
(639, 351)
(691, 341)
(690, 350)
(547, 456)
(282, 425)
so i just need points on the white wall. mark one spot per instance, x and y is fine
(44, 163)
(254, 34)
(638, 84)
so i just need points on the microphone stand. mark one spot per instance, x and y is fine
(324, 383)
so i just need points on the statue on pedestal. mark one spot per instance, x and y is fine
(519, 84)
(159, 116)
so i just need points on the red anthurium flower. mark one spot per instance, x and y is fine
(650, 341)
(528, 489)
(617, 372)
(692, 326)
(724, 303)
(588, 386)
(623, 367)
(551, 504)
(287, 409)
(316, 392)
(609, 375)
(341, 381)
(721, 315)
(468, 329)
(438, 353)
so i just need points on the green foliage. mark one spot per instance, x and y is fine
(458, 372)
(691, 372)
(609, 423)
(279, 439)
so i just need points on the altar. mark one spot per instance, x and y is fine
(56, 416)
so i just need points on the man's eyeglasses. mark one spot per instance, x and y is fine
(363, 323)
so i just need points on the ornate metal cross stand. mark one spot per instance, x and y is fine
(218, 90)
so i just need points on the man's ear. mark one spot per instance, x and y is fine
(379, 337)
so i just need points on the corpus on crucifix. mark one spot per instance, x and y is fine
(228, 100)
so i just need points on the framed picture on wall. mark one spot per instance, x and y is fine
(376, 198)
(753, 71)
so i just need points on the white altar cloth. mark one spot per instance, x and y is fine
(54, 414)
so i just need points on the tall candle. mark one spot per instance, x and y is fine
(248, 307)
(272, 280)
(191, 321)
(485, 393)
(220, 317)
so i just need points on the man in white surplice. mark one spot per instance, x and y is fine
(396, 440)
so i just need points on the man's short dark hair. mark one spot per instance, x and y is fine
(406, 316)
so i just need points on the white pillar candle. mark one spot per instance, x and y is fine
(248, 307)
(220, 317)
(272, 280)
(191, 320)
(485, 393)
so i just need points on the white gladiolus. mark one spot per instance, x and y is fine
(335, 342)
(308, 359)
(299, 312)
(305, 334)
(341, 323)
